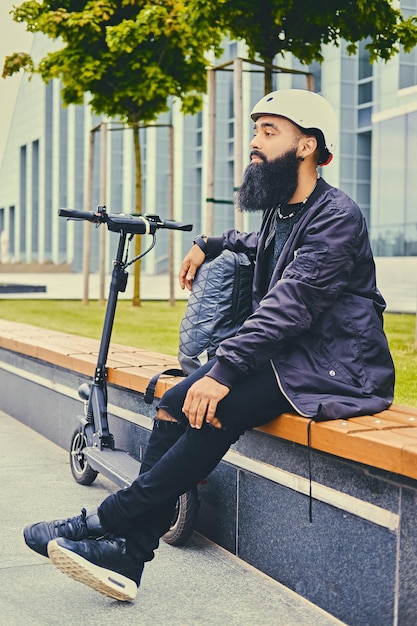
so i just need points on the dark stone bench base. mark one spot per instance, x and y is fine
(357, 560)
(16, 288)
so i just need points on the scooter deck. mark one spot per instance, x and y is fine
(116, 465)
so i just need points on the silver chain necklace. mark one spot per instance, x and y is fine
(297, 207)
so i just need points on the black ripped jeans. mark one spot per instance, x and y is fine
(178, 457)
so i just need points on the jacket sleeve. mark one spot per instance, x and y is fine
(322, 262)
(232, 240)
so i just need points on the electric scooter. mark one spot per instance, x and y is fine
(92, 448)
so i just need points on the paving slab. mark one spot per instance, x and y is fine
(197, 585)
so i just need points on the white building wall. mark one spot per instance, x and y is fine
(190, 156)
(26, 127)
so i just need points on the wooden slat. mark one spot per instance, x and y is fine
(386, 440)
(138, 359)
(395, 451)
(288, 426)
(137, 378)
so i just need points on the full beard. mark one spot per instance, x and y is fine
(267, 184)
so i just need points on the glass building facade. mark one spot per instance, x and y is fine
(46, 161)
(394, 131)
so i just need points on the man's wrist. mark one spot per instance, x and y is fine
(201, 242)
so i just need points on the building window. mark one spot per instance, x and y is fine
(23, 200)
(365, 87)
(35, 197)
(408, 60)
(364, 124)
(365, 92)
(315, 69)
(12, 230)
(408, 69)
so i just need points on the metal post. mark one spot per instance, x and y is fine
(237, 132)
(103, 232)
(415, 336)
(211, 139)
(171, 250)
(310, 82)
(87, 225)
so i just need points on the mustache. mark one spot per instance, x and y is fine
(258, 154)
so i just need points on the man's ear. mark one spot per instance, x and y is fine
(307, 146)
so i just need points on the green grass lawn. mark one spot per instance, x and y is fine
(152, 326)
(155, 325)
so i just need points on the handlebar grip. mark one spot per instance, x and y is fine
(160, 223)
(175, 225)
(74, 214)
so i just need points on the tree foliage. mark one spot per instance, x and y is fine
(303, 27)
(129, 55)
(132, 55)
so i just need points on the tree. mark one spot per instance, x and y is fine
(302, 27)
(130, 56)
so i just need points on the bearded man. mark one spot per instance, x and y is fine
(314, 344)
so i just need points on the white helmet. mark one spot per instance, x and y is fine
(307, 110)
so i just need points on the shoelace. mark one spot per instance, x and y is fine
(74, 527)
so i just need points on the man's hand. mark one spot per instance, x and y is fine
(201, 402)
(192, 261)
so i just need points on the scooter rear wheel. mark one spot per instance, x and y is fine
(184, 519)
(82, 472)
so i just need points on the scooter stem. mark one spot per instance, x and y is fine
(97, 405)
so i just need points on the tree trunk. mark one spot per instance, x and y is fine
(268, 76)
(136, 301)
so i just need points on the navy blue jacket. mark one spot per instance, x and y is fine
(319, 321)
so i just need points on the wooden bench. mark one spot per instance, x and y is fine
(357, 560)
(387, 440)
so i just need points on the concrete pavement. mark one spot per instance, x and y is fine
(396, 277)
(197, 585)
(70, 286)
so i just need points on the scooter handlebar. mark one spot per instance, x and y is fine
(74, 214)
(132, 224)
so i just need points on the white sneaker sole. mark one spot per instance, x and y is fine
(102, 580)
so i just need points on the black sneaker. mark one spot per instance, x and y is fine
(102, 564)
(37, 536)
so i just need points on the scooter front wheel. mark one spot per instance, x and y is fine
(183, 522)
(82, 472)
